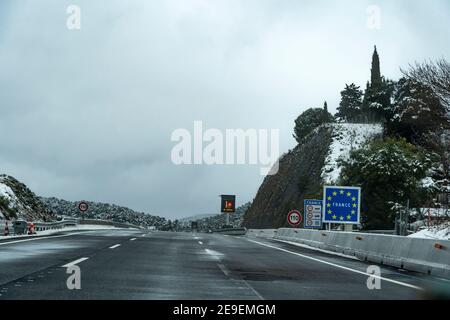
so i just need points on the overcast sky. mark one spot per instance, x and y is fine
(88, 114)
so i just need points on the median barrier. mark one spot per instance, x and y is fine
(414, 254)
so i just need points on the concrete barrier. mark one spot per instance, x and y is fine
(231, 231)
(261, 233)
(414, 254)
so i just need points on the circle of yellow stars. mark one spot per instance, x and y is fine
(341, 217)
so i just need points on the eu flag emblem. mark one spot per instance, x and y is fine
(341, 204)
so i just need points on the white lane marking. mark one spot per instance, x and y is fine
(214, 254)
(301, 245)
(40, 238)
(132, 239)
(114, 246)
(200, 242)
(74, 262)
(248, 286)
(339, 266)
(224, 269)
(253, 289)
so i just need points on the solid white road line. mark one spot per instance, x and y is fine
(114, 246)
(40, 238)
(339, 266)
(132, 239)
(74, 262)
(224, 269)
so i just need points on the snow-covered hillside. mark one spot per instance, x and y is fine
(18, 201)
(346, 137)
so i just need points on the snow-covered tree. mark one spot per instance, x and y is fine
(416, 111)
(350, 106)
(435, 75)
(388, 171)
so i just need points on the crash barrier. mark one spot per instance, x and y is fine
(19, 227)
(262, 233)
(231, 231)
(109, 223)
(42, 226)
(414, 254)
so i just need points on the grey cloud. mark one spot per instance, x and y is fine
(88, 114)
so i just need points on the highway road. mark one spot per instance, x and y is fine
(136, 264)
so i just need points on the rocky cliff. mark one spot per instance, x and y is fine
(304, 170)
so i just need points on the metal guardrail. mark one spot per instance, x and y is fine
(23, 228)
(42, 226)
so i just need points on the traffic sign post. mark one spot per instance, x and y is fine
(294, 218)
(228, 205)
(83, 207)
(341, 205)
(313, 214)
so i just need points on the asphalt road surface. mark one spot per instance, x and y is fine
(128, 264)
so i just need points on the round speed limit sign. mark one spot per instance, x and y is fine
(294, 218)
(83, 206)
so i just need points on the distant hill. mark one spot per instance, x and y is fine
(104, 211)
(197, 217)
(218, 221)
(18, 201)
(304, 170)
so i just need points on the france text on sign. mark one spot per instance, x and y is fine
(313, 214)
(341, 204)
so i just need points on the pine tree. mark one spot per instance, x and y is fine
(350, 106)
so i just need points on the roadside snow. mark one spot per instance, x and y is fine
(438, 233)
(50, 232)
(346, 137)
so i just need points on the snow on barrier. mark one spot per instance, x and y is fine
(415, 254)
(19, 227)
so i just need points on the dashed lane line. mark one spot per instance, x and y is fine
(74, 262)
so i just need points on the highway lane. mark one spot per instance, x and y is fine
(126, 264)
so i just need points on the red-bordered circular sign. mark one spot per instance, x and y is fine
(294, 218)
(83, 206)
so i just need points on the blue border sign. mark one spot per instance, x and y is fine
(313, 214)
(341, 204)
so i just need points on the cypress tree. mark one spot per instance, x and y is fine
(375, 73)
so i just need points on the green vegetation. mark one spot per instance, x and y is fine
(388, 171)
